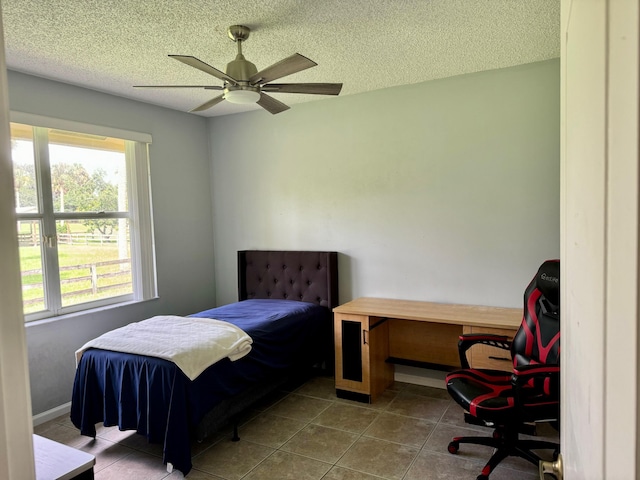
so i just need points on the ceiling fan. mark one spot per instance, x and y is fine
(243, 83)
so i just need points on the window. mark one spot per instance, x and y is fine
(83, 215)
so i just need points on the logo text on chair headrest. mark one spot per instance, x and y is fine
(549, 278)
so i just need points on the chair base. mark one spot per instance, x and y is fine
(506, 444)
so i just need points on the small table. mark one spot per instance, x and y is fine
(56, 461)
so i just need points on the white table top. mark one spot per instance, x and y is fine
(56, 461)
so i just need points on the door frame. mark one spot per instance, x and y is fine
(16, 440)
(599, 238)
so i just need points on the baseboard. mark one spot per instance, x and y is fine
(420, 376)
(44, 417)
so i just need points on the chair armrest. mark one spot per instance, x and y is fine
(468, 340)
(540, 377)
(524, 373)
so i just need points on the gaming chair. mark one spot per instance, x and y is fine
(512, 402)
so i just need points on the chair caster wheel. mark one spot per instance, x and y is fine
(453, 447)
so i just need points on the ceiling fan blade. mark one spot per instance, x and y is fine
(271, 105)
(312, 88)
(293, 64)
(207, 87)
(209, 104)
(205, 67)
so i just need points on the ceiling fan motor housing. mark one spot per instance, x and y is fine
(241, 69)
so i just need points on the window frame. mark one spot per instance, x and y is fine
(141, 236)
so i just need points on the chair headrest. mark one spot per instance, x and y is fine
(548, 281)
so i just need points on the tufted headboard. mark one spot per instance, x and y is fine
(292, 275)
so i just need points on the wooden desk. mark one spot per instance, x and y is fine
(371, 334)
(56, 461)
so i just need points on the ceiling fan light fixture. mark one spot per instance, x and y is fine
(242, 96)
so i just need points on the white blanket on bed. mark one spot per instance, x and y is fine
(193, 344)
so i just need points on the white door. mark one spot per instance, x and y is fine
(599, 238)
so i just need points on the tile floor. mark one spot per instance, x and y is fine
(307, 433)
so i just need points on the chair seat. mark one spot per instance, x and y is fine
(483, 393)
(488, 395)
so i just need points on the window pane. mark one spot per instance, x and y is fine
(95, 260)
(31, 266)
(88, 173)
(24, 170)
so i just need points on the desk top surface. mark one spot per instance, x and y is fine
(497, 317)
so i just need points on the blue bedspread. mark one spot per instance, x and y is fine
(154, 397)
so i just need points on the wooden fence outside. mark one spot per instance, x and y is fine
(93, 275)
(33, 239)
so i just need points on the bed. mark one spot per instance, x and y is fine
(284, 304)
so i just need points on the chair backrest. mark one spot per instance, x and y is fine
(538, 338)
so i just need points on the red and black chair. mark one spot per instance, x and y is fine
(513, 402)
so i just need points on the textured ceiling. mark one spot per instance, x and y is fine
(110, 45)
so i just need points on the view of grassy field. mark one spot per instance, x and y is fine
(83, 273)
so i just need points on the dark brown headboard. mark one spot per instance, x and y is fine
(292, 275)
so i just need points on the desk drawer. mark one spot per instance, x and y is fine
(485, 356)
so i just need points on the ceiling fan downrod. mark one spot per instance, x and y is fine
(241, 69)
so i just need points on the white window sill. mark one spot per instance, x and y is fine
(91, 311)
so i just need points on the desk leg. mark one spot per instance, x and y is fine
(86, 475)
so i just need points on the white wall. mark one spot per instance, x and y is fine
(444, 191)
(179, 163)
